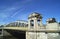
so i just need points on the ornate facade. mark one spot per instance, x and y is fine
(37, 30)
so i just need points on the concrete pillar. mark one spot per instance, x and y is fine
(29, 24)
(2, 32)
(35, 24)
(41, 23)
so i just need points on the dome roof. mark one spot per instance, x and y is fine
(35, 14)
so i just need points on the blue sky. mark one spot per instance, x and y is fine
(12, 10)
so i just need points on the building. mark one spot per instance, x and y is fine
(37, 30)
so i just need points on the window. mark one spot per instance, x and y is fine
(32, 23)
(38, 21)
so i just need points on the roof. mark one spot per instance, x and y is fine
(35, 14)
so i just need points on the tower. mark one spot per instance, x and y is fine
(52, 24)
(34, 21)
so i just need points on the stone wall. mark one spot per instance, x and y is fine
(42, 35)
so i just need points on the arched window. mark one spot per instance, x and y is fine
(32, 23)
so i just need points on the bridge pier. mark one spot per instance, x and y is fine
(1, 32)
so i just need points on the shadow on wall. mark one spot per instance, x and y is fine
(18, 34)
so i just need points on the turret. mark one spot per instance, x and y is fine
(52, 24)
(35, 20)
(51, 20)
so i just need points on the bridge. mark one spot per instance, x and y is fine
(18, 32)
(34, 27)
(15, 28)
(26, 29)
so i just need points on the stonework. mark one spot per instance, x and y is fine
(36, 30)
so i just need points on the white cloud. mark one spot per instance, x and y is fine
(7, 12)
(18, 10)
(9, 9)
(3, 15)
